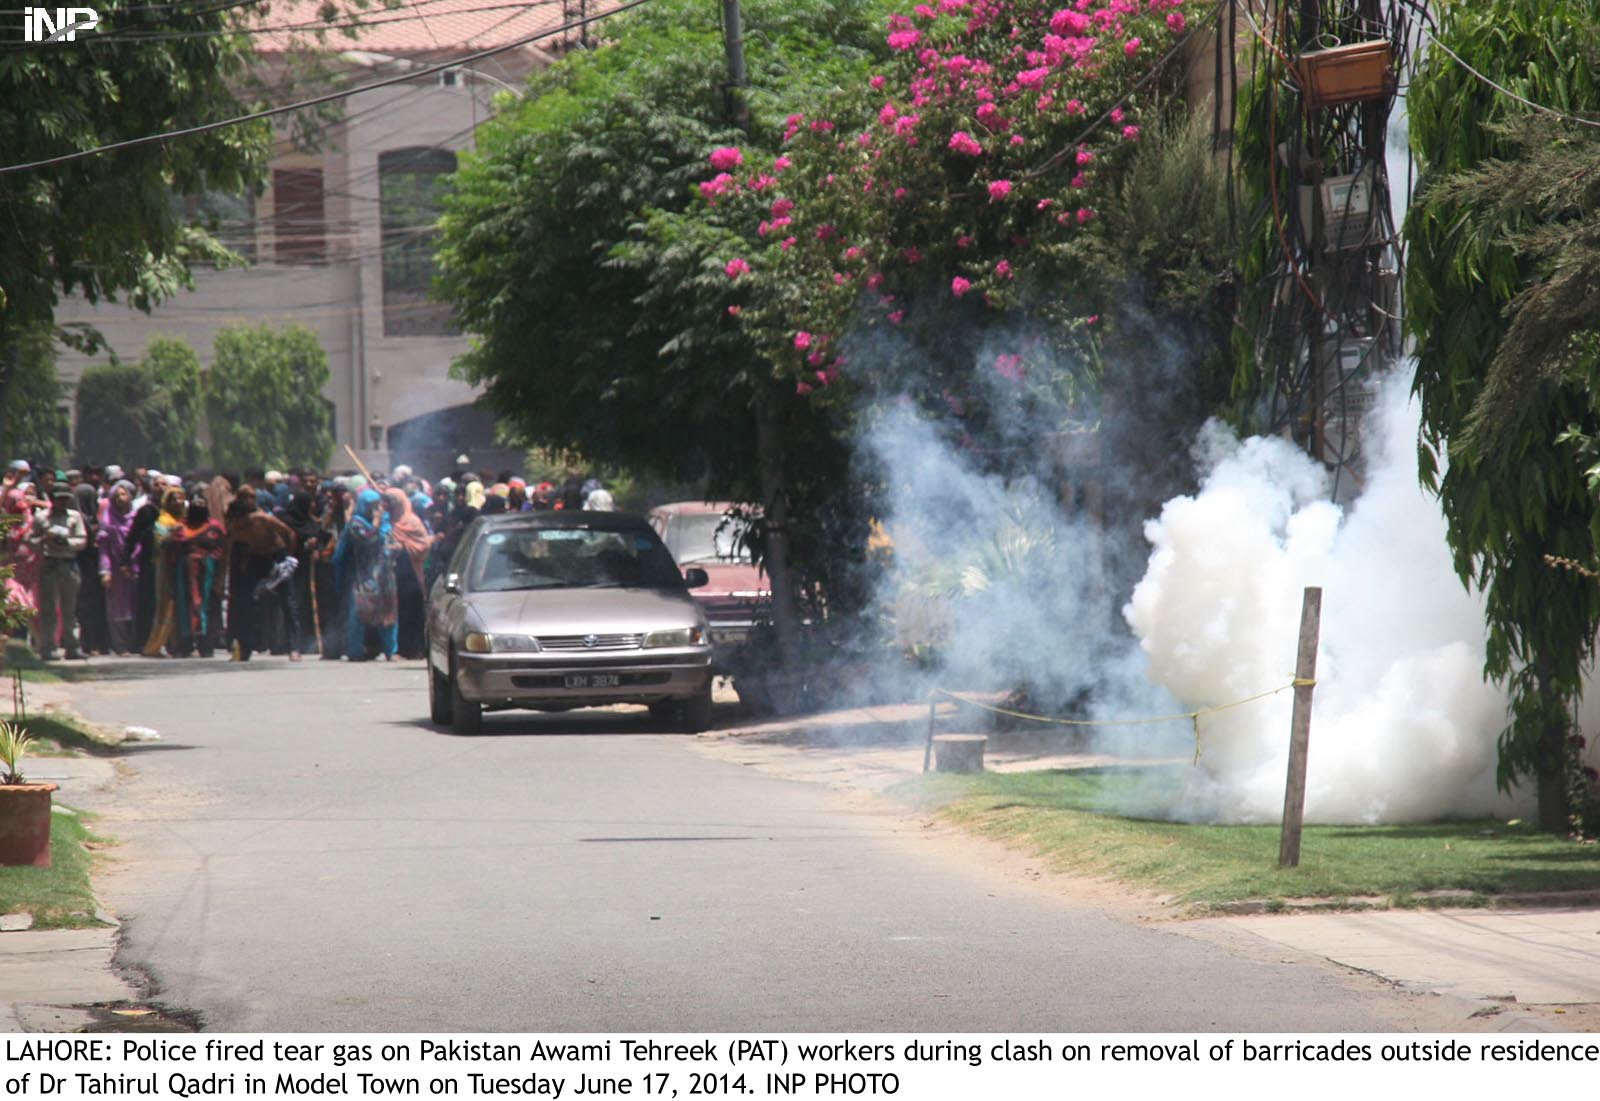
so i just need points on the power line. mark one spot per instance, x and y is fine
(414, 74)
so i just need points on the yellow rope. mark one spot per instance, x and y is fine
(1193, 716)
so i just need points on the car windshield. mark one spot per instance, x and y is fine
(566, 558)
(709, 537)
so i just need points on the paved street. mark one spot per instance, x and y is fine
(302, 851)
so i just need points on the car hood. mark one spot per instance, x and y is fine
(581, 611)
(726, 578)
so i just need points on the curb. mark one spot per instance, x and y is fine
(1422, 900)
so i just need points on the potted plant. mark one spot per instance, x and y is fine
(24, 807)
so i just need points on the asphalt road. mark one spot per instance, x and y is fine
(302, 851)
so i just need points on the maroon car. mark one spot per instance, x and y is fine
(711, 537)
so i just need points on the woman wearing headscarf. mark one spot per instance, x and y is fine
(409, 536)
(91, 609)
(164, 625)
(139, 555)
(22, 556)
(195, 553)
(334, 507)
(118, 575)
(366, 577)
(475, 494)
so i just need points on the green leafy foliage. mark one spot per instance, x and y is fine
(35, 420)
(145, 413)
(1494, 251)
(263, 398)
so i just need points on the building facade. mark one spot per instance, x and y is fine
(341, 239)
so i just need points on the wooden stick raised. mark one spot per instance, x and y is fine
(361, 466)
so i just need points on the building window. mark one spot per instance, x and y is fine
(300, 228)
(410, 184)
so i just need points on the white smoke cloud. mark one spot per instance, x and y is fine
(1404, 727)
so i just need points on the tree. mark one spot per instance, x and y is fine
(581, 338)
(263, 398)
(105, 226)
(145, 413)
(1501, 272)
(35, 423)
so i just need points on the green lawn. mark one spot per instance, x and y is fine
(20, 657)
(58, 897)
(1055, 814)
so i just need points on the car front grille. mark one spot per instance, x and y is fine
(589, 644)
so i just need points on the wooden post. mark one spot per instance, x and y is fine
(927, 749)
(1305, 676)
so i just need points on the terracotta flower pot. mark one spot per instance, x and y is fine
(25, 824)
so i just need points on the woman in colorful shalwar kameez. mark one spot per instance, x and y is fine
(366, 575)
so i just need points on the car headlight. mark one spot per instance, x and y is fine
(477, 642)
(683, 636)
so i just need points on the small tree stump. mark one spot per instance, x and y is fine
(958, 752)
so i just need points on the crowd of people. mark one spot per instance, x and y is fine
(114, 561)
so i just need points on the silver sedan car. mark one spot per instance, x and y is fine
(556, 610)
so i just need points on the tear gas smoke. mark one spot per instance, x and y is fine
(1404, 728)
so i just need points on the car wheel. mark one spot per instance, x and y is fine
(466, 716)
(694, 713)
(440, 701)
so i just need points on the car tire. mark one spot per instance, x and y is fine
(466, 716)
(441, 702)
(694, 713)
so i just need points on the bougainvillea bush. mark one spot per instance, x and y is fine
(938, 224)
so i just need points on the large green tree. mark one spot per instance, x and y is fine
(1502, 268)
(104, 226)
(263, 398)
(35, 420)
(145, 413)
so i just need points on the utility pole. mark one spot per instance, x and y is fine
(769, 432)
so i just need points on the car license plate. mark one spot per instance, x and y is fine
(593, 680)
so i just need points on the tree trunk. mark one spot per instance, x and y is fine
(1550, 761)
(775, 494)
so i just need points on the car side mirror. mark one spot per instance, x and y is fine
(452, 582)
(696, 578)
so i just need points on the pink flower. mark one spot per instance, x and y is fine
(838, 278)
(959, 286)
(1131, 46)
(853, 252)
(887, 114)
(802, 388)
(1175, 22)
(802, 340)
(913, 255)
(904, 40)
(735, 311)
(725, 158)
(1009, 366)
(989, 115)
(1032, 78)
(963, 142)
(780, 207)
(963, 241)
(1080, 181)
(761, 182)
(1075, 107)
(821, 126)
(1069, 22)
(815, 359)
(1085, 215)
(736, 267)
(1045, 204)
(1117, 115)
(781, 163)
(1091, 319)
(875, 280)
(999, 189)
(1085, 156)
(897, 317)
(786, 244)
(877, 82)
(1130, 133)
(1003, 269)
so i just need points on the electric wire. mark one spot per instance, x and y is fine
(415, 74)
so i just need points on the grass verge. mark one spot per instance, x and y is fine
(19, 656)
(58, 897)
(1060, 816)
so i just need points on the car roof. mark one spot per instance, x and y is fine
(562, 518)
(694, 508)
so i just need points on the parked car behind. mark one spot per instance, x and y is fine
(712, 537)
(557, 610)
